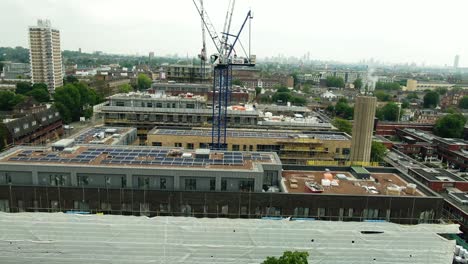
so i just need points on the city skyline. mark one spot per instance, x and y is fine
(327, 32)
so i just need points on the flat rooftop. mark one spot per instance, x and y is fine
(156, 96)
(136, 156)
(438, 175)
(376, 185)
(252, 134)
(101, 135)
(452, 141)
(69, 238)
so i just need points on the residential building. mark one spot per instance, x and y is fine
(45, 55)
(293, 147)
(16, 70)
(452, 98)
(34, 128)
(456, 61)
(452, 151)
(189, 73)
(363, 126)
(388, 129)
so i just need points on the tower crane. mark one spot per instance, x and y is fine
(202, 55)
(223, 61)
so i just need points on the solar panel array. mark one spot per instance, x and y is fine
(142, 157)
(247, 134)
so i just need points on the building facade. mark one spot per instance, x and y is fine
(291, 146)
(45, 55)
(15, 70)
(363, 126)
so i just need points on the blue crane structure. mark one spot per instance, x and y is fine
(223, 61)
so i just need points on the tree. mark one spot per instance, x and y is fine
(431, 99)
(382, 96)
(442, 90)
(143, 81)
(23, 87)
(39, 94)
(450, 126)
(70, 79)
(343, 125)
(412, 96)
(343, 110)
(332, 81)
(378, 151)
(289, 257)
(75, 100)
(237, 82)
(281, 97)
(394, 86)
(357, 83)
(125, 88)
(8, 100)
(258, 91)
(463, 104)
(306, 89)
(42, 86)
(388, 113)
(405, 104)
(298, 100)
(283, 90)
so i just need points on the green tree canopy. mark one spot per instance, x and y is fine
(431, 99)
(70, 79)
(382, 96)
(125, 88)
(298, 100)
(283, 89)
(143, 81)
(8, 100)
(393, 86)
(23, 87)
(463, 104)
(74, 101)
(343, 125)
(306, 89)
(39, 94)
(412, 96)
(289, 257)
(281, 97)
(450, 126)
(237, 82)
(358, 83)
(442, 90)
(389, 112)
(258, 91)
(378, 151)
(343, 110)
(332, 81)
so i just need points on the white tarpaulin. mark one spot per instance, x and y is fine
(65, 238)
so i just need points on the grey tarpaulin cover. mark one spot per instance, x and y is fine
(66, 238)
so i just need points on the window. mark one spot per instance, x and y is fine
(142, 104)
(223, 184)
(81, 205)
(120, 103)
(244, 147)
(33, 123)
(180, 117)
(17, 129)
(337, 150)
(143, 182)
(83, 180)
(191, 106)
(198, 119)
(106, 206)
(168, 105)
(224, 210)
(189, 119)
(190, 184)
(235, 147)
(149, 105)
(178, 145)
(107, 180)
(173, 105)
(164, 208)
(54, 205)
(57, 180)
(156, 144)
(301, 212)
(123, 181)
(212, 184)
(144, 209)
(186, 210)
(190, 146)
(158, 105)
(4, 206)
(20, 206)
(345, 151)
(321, 212)
(162, 183)
(246, 185)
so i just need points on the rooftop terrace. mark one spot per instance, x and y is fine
(146, 157)
(343, 182)
(252, 134)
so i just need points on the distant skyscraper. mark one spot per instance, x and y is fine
(45, 55)
(361, 142)
(151, 56)
(456, 61)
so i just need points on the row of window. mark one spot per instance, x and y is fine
(159, 105)
(186, 209)
(33, 123)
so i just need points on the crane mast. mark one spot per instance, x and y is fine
(223, 63)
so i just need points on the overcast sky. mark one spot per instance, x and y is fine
(418, 31)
